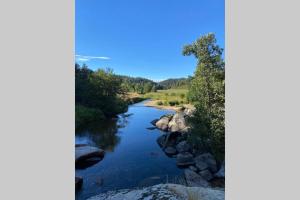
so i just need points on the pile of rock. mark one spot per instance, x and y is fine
(174, 123)
(200, 169)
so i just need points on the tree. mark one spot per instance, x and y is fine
(207, 91)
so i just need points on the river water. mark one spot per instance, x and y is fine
(133, 158)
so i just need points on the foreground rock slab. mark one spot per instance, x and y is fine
(163, 192)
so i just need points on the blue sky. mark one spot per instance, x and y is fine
(144, 38)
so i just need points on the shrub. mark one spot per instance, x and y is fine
(173, 103)
(159, 103)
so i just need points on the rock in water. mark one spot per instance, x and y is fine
(170, 151)
(84, 153)
(78, 183)
(162, 123)
(185, 159)
(183, 147)
(178, 123)
(193, 179)
(209, 160)
(153, 122)
(206, 175)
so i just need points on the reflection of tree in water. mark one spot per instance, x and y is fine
(102, 134)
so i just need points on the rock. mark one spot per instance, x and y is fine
(88, 162)
(194, 179)
(184, 159)
(221, 172)
(163, 191)
(153, 122)
(162, 123)
(183, 146)
(161, 140)
(206, 175)
(84, 153)
(189, 111)
(170, 151)
(200, 164)
(78, 183)
(168, 139)
(193, 168)
(178, 124)
(209, 160)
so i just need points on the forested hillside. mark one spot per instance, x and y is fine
(175, 83)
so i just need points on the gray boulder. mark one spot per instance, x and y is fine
(184, 159)
(178, 123)
(209, 160)
(153, 122)
(183, 146)
(162, 123)
(200, 164)
(193, 168)
(84, 154)
(193, 179)
(206, 175)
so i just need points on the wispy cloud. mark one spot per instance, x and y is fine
(84, 58)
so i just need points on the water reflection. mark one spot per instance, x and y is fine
(102, 135)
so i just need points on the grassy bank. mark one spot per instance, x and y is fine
(168, 98)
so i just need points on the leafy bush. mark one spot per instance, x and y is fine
(85, 115)
(173, 103)
(159, 103)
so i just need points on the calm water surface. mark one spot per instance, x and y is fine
(133, 157)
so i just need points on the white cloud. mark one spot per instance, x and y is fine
(88, 58)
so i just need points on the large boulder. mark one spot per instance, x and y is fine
(184, 159)
(163, 191)
(84, 155)
(189, 111)
(209, 160)
(183, 146)
(178, 123)
(153, 122)
(163, 122)
(194, 179)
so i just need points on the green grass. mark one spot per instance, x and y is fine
(172, 97)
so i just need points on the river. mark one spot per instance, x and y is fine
(133, 158)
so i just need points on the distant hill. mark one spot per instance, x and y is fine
(173, 83)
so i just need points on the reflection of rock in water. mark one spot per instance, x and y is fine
(123, 120)
(102, 134)
(150, 181)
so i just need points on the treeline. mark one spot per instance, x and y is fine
(207, 92)
(138, 84)
(97, 95)
(175, 83)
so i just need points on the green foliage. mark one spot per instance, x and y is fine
(100, 90)
(173, 103)
(85, 115)
(138, 85)
(178, 95)
(207, 92)
(159, 103)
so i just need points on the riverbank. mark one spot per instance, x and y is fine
(154, 103)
